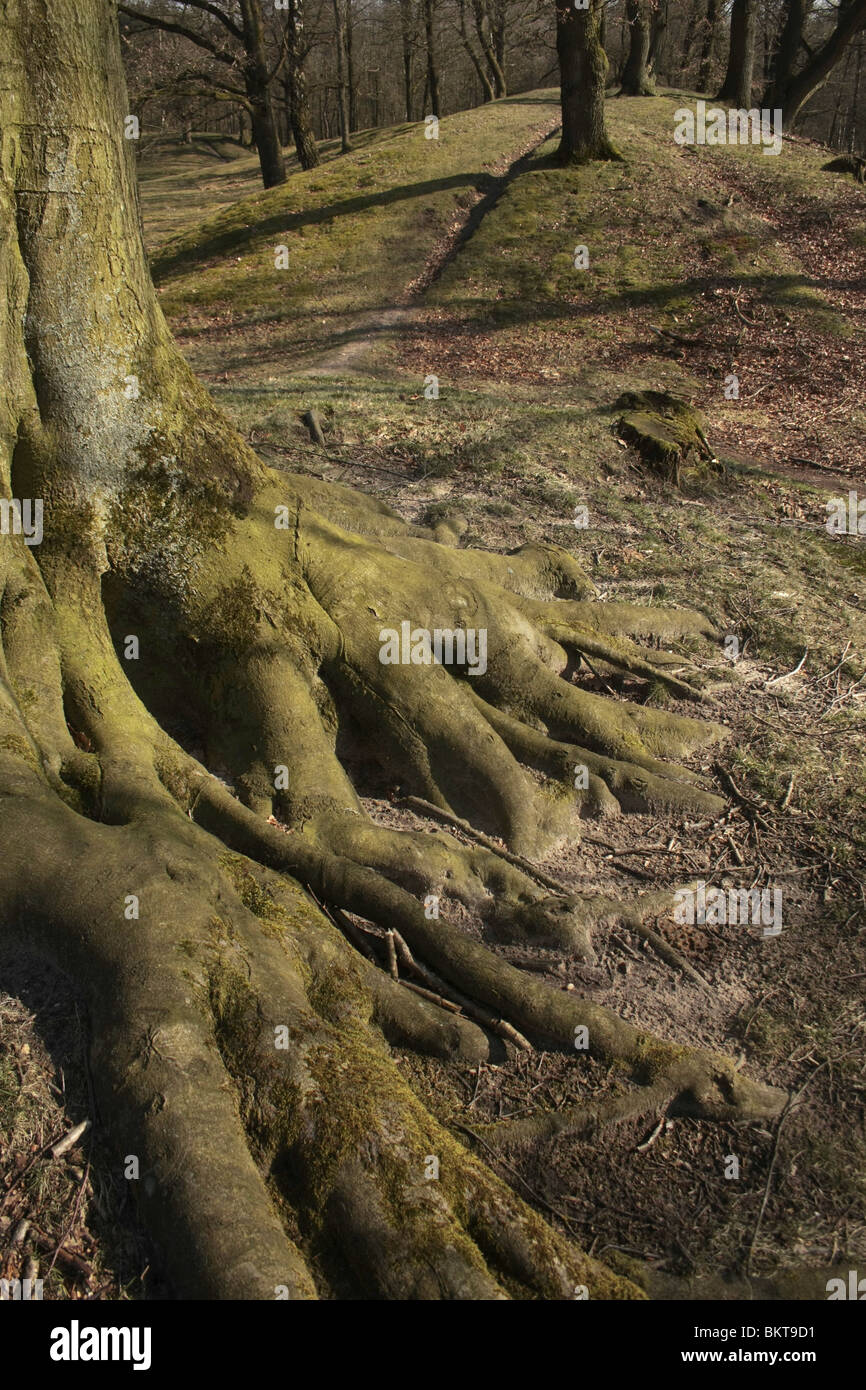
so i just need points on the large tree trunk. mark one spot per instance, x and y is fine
(265, 133)
(737, 86)
(241, 1043)
(583, 74)
(636, 80)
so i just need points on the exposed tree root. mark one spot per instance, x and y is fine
(195, 647)
(326, 1122)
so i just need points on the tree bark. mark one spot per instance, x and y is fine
(296, 80)
(257, 84)
(658, 30)
(342, 74)
(432, 60)
(583, 74)
(483, 28)
(406, 29)
(351, 78)
(636, 80)
(487, 88)
(705, 71)
(737, 86)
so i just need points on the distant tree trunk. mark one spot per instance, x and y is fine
(432, 66)
(737, 86)
(789, 90)
(342, 65)
(854, 109)
(485, 38)
(583, 75)
(296, 83)
(256, 82)
(488, 92)
(693, 27)
(658, 29)
(705, 71)
(350, 68)
(500, 26)
(636, 80)
(787, 51)
(406, 35)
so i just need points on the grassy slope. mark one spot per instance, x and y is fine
(759, 256)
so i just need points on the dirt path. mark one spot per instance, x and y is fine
(370, 329)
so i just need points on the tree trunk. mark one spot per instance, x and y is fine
(787, 52)
(432, 61)
(790, 90)
(483, 29)
(296, 81)
(351, 79)
(583, 75)
(658, 29)
(737, 86)
(705, 71)
(265, 134)
(406, 28)
(241, 1043)
(487, 88)
(636, 81)
(342, 79)
(854, 109)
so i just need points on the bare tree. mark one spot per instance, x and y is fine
(238, 43)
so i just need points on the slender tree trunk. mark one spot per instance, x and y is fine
(583, 75)
(342, 66)
(636, 81)
(485, 38)
(406, 28)
(500, 28)
(488, 92)
(265, 133)
(705, 71)
(854, 109)
(737, 86)
(350, 68)
(296, 83)
(432, 62)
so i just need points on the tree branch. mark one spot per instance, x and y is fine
(154, 22)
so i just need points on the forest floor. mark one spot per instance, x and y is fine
(431, 312)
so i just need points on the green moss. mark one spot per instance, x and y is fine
(255, 898)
